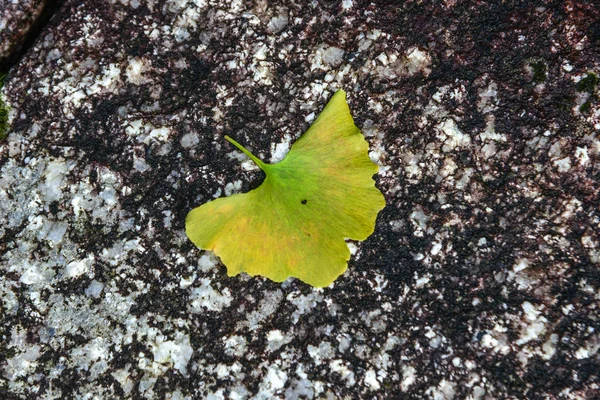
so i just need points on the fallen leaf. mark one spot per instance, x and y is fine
(296, 222)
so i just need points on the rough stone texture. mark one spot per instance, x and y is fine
(17, 17)
(480, 281)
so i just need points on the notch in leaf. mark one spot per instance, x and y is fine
(296, 222)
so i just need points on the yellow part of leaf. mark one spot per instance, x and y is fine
(296, 222)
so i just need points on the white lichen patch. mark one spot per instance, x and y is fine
(445, 390)
(93, 356)
(145, 132)
(78, 267)
(419, 220)
(140, 165)
(207, 261)
(534, 324)
(371, 380)
(265, 309)
(75, 89)
(137, 70)
(549, 347)
(280, 150)
(55, 174)
(206, 298)
(488, 98)
(496, 339)
(563, 164)
(326, 57)
(232, 188)
(304, 303)
(120, 251)
(278, 23)
(52, 231)
(276, 339)
(321, 353)
(125, 379)
(94, 289)
(590, 348)
(409, 376)
(417, 61)
(24, 361)
(345, 371)
(188, 140)
(273, 381)
(489, 132)
(393, 65)
(451, 136)
(175, 353)
(235, 346)
(582, 156)
(347, 4)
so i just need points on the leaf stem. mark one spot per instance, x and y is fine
(256, 160)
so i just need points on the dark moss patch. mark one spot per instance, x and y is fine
(588, 84)
(539, 71)
(585, 107)
(3, 114)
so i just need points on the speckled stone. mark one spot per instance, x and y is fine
(481, 280)
(17, 18)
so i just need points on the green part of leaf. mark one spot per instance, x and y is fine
(256, 160)
(296, 222)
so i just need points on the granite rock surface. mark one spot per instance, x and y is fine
(481, 280)
(17, 19)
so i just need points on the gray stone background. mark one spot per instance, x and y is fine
(481, 280)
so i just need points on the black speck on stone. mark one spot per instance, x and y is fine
(54, 207)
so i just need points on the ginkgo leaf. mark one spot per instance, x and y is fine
(296, 222)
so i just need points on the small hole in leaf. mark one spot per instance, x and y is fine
(304, 201)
